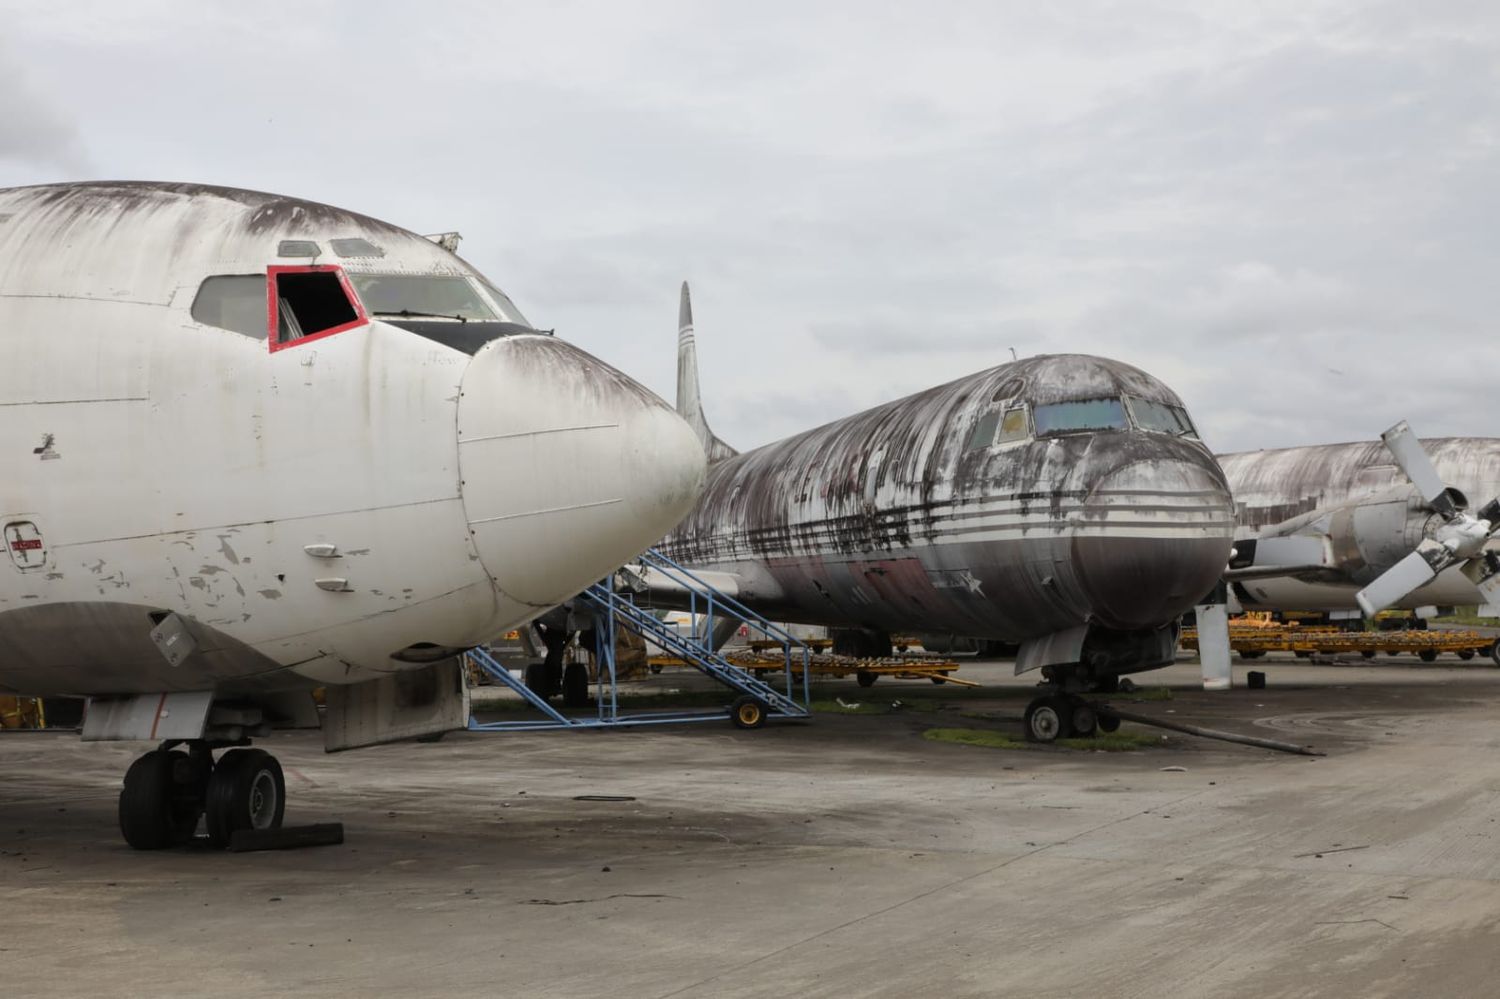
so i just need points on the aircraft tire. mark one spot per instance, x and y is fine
(1046, 720)
(536, 679)
(1108, 723)
(247, 790)
(747, 712)
(1081, 717)
(575, 685)
(153, 815)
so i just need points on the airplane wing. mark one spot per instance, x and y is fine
(1233, 575)
(1287, 555)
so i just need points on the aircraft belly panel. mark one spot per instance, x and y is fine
(106, 648)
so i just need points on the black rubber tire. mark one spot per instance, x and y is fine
(1368, 653)
(1495, 652)
(1253, 654)
(939, 678)
(748, 712)
(536, 679)
(153, 814)
(1046, 720)
(1466, 654)
(1082, 719)
(236, 792)
(865, 678)
(1427, 655)
(1108, 723)
(575, 685)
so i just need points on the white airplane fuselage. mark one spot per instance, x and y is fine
(319, 509)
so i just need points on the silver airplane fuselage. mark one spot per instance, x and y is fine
(1039, 497)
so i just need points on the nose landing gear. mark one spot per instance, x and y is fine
(166, 792)
(1064, 716)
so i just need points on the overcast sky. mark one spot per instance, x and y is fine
(1288, 211)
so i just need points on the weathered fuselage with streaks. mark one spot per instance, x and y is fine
(238, 408)
(894, 520)
(1359, 506)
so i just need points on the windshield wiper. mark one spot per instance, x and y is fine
(409, 314)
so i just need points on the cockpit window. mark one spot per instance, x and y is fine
(307, 303)
(422, 297)
(1000, 427)
(514, 314)
(1086, 414)
(984, 431)
(1013, 426)
(235, 302)
(1160, 417)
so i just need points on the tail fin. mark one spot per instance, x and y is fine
(689, 401)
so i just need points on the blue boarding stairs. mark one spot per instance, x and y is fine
(614, 609)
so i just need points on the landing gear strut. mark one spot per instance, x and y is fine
(166, 792)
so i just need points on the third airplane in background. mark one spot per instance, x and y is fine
(1339, 526)
(1060, 502)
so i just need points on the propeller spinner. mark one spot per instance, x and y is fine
(1461, 538)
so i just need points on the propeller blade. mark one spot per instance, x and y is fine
(1484, 573)
(1415, 462)
(1417, 569)
(1213, 645)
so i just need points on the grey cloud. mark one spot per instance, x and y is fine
(33, 130)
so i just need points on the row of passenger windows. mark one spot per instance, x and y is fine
(1020, 422)
(311, 301)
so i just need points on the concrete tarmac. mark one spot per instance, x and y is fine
(847, 857)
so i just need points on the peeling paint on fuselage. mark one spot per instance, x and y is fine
(868, 521)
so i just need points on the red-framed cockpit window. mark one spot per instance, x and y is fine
(309, 303)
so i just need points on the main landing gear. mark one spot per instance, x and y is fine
(166, 792)
(1065, 716)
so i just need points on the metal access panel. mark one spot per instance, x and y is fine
(426, 701)
(181, 715)
(173, 639)
(23, 539)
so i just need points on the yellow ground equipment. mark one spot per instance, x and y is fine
(1254, 639)
(864, 671)
(22, 712)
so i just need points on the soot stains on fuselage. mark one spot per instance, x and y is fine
(904, 472)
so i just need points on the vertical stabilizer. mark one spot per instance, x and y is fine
(689, 399)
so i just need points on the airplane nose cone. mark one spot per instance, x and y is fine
(1153, 539)
(569, 467)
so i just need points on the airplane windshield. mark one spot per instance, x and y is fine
(421, 297)
(1161, 417)
(1086, 414)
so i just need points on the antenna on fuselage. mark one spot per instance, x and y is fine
(689, 397)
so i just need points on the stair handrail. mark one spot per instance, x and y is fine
(654, 558)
